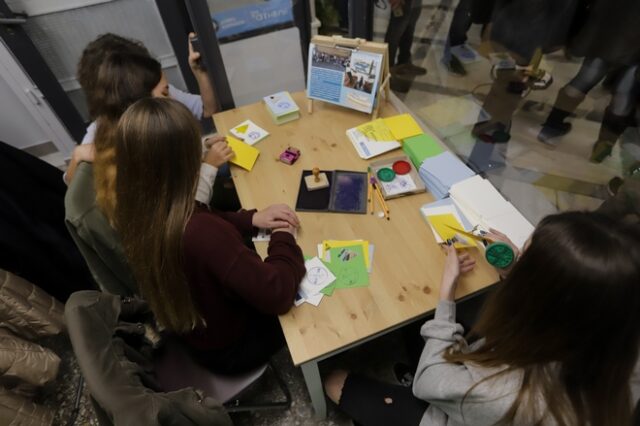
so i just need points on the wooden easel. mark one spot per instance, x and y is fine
(366, 46)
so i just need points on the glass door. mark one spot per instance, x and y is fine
(40, 84)
(252, 48)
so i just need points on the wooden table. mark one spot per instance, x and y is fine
(407, 262)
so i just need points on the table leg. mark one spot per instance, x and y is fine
(312, 378)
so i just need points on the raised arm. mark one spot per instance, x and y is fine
(207, 92)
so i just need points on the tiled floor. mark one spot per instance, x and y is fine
(538, 180)
(61, 394)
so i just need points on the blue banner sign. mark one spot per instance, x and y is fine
(233, 22)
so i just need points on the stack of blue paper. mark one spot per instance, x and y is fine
(442, 171)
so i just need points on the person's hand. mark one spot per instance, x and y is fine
(194, 57)
(81, 153)
(275, 217)
(212, 140)
(219, 151)
(495, 235)
(395, 3)
(86, 153)
(455, 265)
(290, 229)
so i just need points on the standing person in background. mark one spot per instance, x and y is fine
(609, 40)
(457, 51)
(402, 26)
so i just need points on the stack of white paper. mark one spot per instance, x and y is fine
(482, 204)
(442, 171)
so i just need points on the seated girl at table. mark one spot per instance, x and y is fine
(122, 79)
(560, 340)
(190, 263)
(114, 72)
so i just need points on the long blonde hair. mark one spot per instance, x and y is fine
(122, 78)
(158, 155)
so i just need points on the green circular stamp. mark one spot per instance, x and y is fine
(500, 255)
(386, 174)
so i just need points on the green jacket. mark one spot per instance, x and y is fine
(96, 239)
(113, 339)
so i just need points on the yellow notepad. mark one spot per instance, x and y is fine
(402, 126)
(446, 225)
(245, 155)
(376, 130)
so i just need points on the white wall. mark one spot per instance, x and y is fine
(61, 29)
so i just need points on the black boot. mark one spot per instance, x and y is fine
(610, 130)
(566, 103)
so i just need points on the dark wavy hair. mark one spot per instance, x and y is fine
(92, 57)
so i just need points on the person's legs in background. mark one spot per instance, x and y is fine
(399, 37)
(457, 39)
(406, 41)
(398, 23)
(617, 116)
(592, 71)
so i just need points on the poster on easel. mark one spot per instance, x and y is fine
(344, 73)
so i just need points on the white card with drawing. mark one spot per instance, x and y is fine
(318, 277)
(249, 132)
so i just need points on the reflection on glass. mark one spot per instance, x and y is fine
(540, 95)
(238, 18)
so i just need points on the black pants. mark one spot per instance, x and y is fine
(260, 342)
(460, 23)
(400, 33)
(594, 70)
(372, 403)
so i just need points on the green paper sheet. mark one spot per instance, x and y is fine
(347, 264)
(420, 147)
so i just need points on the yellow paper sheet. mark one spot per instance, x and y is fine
(402, 126)
(245, 155)
(444, 225)
(329, 244)
(376, 130)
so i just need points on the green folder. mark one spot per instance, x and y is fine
(420, 147)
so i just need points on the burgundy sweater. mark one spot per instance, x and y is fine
(229, 282)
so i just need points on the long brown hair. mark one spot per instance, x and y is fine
(122, 79)
(158, 155)
(568, 316)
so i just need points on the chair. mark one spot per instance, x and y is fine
(100, 245)
(111, 342)
(220, 387)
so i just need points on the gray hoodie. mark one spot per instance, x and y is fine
(444, 385)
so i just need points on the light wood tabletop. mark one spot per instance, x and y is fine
(407, 262)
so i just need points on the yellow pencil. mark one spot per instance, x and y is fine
(382, 202)
(385, 209)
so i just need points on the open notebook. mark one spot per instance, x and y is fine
(482, 204)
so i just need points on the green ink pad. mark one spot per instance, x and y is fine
(500, 255)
